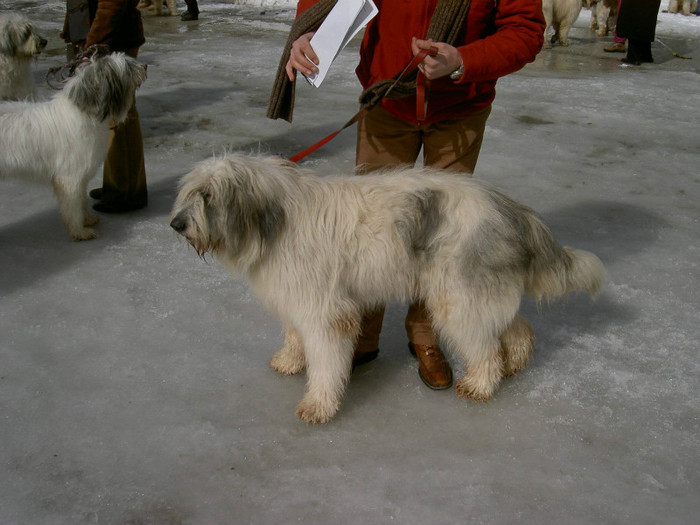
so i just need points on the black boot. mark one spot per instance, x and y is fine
(645, 52)
(634, 55)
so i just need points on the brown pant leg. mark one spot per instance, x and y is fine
(452, 145)
(382, 141)
(124, 174)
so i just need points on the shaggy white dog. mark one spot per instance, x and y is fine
(19, 45)
(560, 15)
(320, 252)
(64, 140)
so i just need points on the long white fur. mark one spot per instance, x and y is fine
(19, 45)
(64, 140)
(321, 251)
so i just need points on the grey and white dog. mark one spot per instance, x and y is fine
(19, 45)
(64, 140)
(322, 251)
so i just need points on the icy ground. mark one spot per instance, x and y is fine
(134, 385)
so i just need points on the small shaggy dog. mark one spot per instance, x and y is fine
(171, 4)
(320, 252)
(64, 139)
(603, 15)
(561, 15)
(19, 45)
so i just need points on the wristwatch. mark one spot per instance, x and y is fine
(457, 73)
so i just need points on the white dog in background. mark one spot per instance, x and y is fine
(603, 15)
(64, 140)
(19, 45)
(171, 4)
(560, 15)
(322, 251)
(682, 6)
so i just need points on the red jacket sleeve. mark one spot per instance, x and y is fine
(518, 37)
(303, 5)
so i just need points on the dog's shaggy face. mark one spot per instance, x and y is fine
(222, 205)
(105, 87)
(18, 37)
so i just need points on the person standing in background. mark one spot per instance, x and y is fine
(117, 24)
(636, 21)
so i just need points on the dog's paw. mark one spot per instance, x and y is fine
(84, 234)
(314, 412)
(286, 363)
(91, 220)
(517, 344)
(466, 388)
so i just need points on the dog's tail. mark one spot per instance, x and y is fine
(554, 270)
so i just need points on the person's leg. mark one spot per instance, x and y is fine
(451, 145)
(618, 45)
(454, 145)
(124, 173)
(192, 12)
(382, 141)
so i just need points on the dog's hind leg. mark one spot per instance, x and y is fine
(289, 360)
(72, 203)
(517, 343)
(328, 366)
(472, 328)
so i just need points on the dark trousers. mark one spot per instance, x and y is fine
(192, 6)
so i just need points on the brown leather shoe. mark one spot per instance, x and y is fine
(433, 367)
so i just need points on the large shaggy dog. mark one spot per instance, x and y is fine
(19, 45)
(322, 251)
(560, 15)
(64, 140)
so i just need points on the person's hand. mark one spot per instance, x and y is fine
(302, 57)
(445, 62)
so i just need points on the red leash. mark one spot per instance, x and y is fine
(421, 101)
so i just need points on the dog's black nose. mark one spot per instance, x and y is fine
(42, 43)
(178, 224)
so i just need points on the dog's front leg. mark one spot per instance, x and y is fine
(72, 203)
(289, 360)
(328, 367)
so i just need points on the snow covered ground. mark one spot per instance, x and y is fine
(134, 386)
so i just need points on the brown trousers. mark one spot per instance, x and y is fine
(382, 141)
(124, 174)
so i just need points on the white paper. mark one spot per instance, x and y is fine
(344, 21)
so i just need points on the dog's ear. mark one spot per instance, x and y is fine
(252, 216)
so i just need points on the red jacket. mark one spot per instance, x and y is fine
(501, 37)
